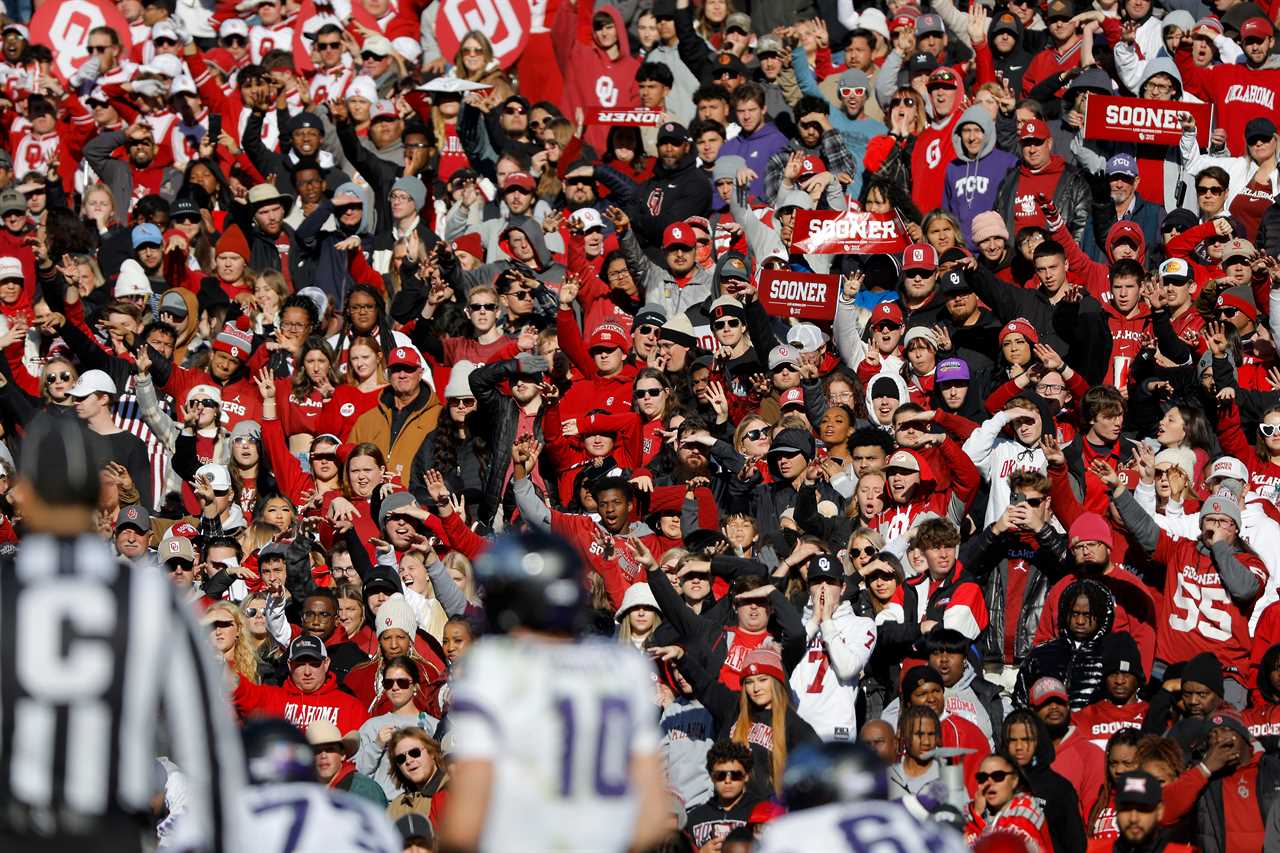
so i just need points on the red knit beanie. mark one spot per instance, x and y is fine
(233, 242)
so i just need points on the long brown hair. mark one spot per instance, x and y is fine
(777, 722)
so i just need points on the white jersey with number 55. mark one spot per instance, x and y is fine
(867, 827)
(560, 723)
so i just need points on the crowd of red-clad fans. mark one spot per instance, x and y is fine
(343, 290)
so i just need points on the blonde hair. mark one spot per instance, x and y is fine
(47, 369)
(412, 733)
(627, 635)
(256, 535)
(455, 560)
(777, 722)
(244, 658)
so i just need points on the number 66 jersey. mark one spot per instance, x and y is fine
(560, 723)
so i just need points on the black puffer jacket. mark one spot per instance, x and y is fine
(1076, 663)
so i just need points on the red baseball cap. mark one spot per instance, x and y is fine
(906, 19)
(920, 256)
(791, 397)
(678, 234)
(1256, 28)
(404, 356)
(812, 164)
(607, 336)
(1034, 129)
(519, 179)
(886, 312)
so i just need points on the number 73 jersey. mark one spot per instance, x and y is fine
(560, 723)
(1197, 613)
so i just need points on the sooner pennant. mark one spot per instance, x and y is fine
(1141, 120)
(839, 232)
(808, 296)
(635, 118)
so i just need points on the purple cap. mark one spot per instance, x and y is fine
(1122, 164)
(952, 369)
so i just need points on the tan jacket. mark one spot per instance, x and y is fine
(374, 426)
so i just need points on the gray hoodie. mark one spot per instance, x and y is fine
(688, 730)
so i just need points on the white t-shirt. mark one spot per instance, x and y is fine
(561, 723)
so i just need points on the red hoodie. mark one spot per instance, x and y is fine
(1031, 184)
(327, 703)
(591, 79)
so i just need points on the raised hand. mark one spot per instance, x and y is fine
(1104, 472)
(1052, 449)
(621, 222)
(1215, 338)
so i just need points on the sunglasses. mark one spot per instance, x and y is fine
(812, 126)
(866, 551)
(784, 368)
(910, 103)
(756, 434)
(917, 274)
(220, 624)
(99, 48)
(462, 401)
(1228, 312)
(238, 41)
(329, 45)
(641, 393)
(513, 111)
(187, 219)
(64, 376)
(516, 293)
(344, 209)
(371, 57)
(879, 575)
(471, 51)
(1034, 502)
(483, 306)
(1207, 190)
(163, 42)
(1269, 430)
(579, 182)
(254, 611)
(852, 91)
(400, 683)
(646, 329)
(726, 775)
(995, 776)
(179, 566)
(402, 757)
(726, 324)
(324, 457)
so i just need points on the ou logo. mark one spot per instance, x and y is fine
(506, 23)
(64, 27)
(347, 409)
(606, 92)
(933, 154)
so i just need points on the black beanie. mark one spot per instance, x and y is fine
(1204, 669)
(1120, 654)
(916, 676)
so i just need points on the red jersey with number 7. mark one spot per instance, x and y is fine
(1197, 614)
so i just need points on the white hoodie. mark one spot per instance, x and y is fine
(997, 456)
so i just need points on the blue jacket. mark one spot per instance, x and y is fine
(972, 182)
(756, 148)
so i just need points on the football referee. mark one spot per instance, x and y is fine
(102, 669)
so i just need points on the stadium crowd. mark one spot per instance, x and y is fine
(1005, 505)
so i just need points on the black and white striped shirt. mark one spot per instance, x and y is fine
(102, 668)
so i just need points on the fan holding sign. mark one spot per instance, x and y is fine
(64, 28)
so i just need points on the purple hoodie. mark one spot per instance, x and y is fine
(972, 184)
(756, 149)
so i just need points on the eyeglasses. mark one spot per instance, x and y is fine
(726, 775)
(221, 624)
(353, 307)
(726, 324)
(1044, 388)
(995, 776)
(344, 209)
(852, 92)
(756, 434)
(1205, 189)
(483, 306)
(1269, 430)
(402, 757)
(641, 393)
(910, 103)
(400, 683)
(462, 402)
(294, 326)
(514, 110)
(64, 376)
(99, 48)
(237, 41)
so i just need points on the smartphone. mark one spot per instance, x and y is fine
(215, 127)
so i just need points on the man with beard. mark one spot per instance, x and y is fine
(677, 190)
(679, 286)
(306, 134)
(788, 458)
(693, 459)
(1139, 814)
(138, 175)
(1196, 695)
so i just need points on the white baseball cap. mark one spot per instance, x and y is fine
(806, 337)
(234, 27)
(588, 218)
(1230, 467)
(11, 268)
(218, 475)
(363, 87)
(93, 382)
